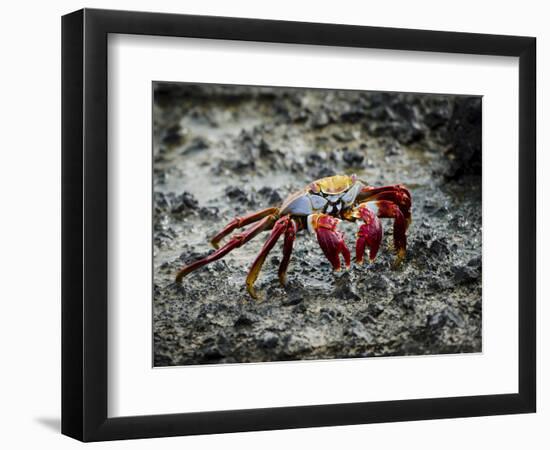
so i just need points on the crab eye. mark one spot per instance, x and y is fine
(314, 187)
(317, 202)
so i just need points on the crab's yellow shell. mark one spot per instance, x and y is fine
(333, 185)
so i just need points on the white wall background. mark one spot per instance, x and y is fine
(30, 225)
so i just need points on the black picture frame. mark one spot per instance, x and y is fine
(84, 224)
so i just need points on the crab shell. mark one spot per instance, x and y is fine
(332, 195)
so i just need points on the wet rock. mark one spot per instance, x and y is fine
(430, 205)
(197, 144)
(320, 120)
(315, 158)
(237, 194)
(189, 256)
(464, 136)
(173, 203)
(173, 135)
(359, 331)
(184, 202)
(455, 317)
(209, 213)
(293, 300)
(215, 347)
(159, 177)
(475, 263)
(298, 116)
(269, 340)
(379, 114)
(296, 167)
(375, 309)
(448, 317)
(353, 115)
(245, 320)
(161, 201)
(300, 308)
(275, 261)
(437, 284)
(164, 267)
(401, 111)
(353, 158)
(363, 312)
(405, 300)
(297, 344)
(218, 266)
(213, 353)
(273, 197)
(437, 118)
(329, 314)
(163, 237)
(437, 320)
(392, 149)
(322, 172)
(441, 211)
(419, 248)
(265, 149)
(378, 129)
(343, 136)
(464, 274)
(345, 288)
(439, 247)
(377, 282)
(295, 293)
(243, 165)
(408, 134)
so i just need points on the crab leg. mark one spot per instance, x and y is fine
(239, 222)
(387, 209)
(396, 194)
(236, 241)
(290, 236)
(369, 234)
(278, 229)
(330, 239)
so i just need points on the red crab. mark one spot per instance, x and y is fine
(318, 208)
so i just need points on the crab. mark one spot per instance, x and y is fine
(318, 208)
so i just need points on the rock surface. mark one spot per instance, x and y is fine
(222, 151)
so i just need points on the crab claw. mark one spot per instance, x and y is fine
(330, 239)
(369, 235)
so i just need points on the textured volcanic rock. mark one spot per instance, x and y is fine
(223, 151)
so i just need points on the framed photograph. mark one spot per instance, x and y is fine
(273, 224)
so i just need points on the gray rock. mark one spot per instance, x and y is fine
(245, 320)
(343, 136)
(345, 288)
(196, 145)
(405, 300)
(269, 340)
(464, 274)
(353, 158)
(320, 120)
(430, 305)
